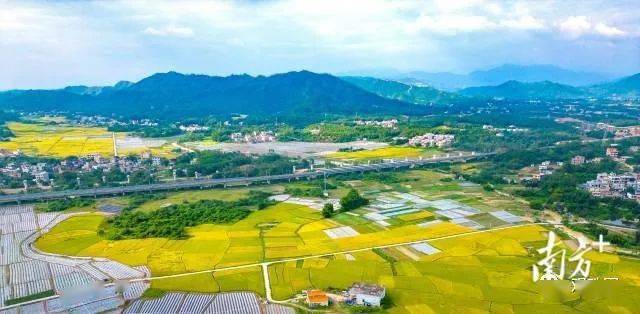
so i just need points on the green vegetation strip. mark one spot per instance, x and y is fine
(171, 221)
(36, 296)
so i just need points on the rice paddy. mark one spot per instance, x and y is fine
(484, 272)
(283, 230)
(53, 139)
(488, 272)
(386, 152)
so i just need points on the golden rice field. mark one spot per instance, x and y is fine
(63, 140)
(58, 140)
(386, 152)
(487, 272)
(245, 279)
(483, 272)
(280, 231)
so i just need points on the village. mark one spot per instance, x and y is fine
(41, 173)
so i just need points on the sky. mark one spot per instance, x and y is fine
(50, 44)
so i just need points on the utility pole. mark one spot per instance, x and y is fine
(324, 173)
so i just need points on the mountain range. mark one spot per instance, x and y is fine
(627, 87)
(424, 95)
(494, 76)
(174, 95)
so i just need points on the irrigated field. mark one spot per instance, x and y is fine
(280, 231)
(57, 140)
(386, 152)
(63, 140)
(482, 272)
(488, 272)
(283, 230)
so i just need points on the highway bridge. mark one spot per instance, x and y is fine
(224, 182)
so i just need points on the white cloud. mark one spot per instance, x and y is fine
(453, 24)
(169, 30)
(524, 23)
(575, 26)
(609, 31)
(277, 35)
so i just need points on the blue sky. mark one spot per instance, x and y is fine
(53, 44)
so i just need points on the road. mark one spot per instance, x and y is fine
(265, 265)
(201, 183)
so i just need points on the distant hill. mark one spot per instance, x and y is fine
(535, 73)
(625, 87)
(520, 90)
(96, 90)
(496, 76)
(175, 95)
(423, 95)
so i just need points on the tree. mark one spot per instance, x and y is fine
(352, 201)
(327, 210)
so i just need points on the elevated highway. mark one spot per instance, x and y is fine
(223, 182)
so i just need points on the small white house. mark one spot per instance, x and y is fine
(42, 176)
(367, 294)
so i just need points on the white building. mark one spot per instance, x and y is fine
(577, 160)
(389, 124)
(42, 176)
(430, 139)
(613, 185)
(367, 294)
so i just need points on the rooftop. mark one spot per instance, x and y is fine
(317, 296)
(368, 289)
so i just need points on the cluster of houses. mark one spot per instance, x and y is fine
(389, 124)
(431, 140)
(545, 168)
(253, 137)
(41, 172)
(106, 121)
(614, 185)
(359, 293)
(500, 131)
(193, 128)
(37, 171)
(620, 132)
(97, 161)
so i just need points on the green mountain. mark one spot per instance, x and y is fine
(491, 77)
(535, 73)
(626, 87)
(519, 90)
(173, 95)
(423, 95)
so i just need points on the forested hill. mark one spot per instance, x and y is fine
(519, 90)
(175, 95)
(395, 90)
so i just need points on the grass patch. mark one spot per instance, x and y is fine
(153, 293)
(36, 296)
(72, 236)
(386, 152)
